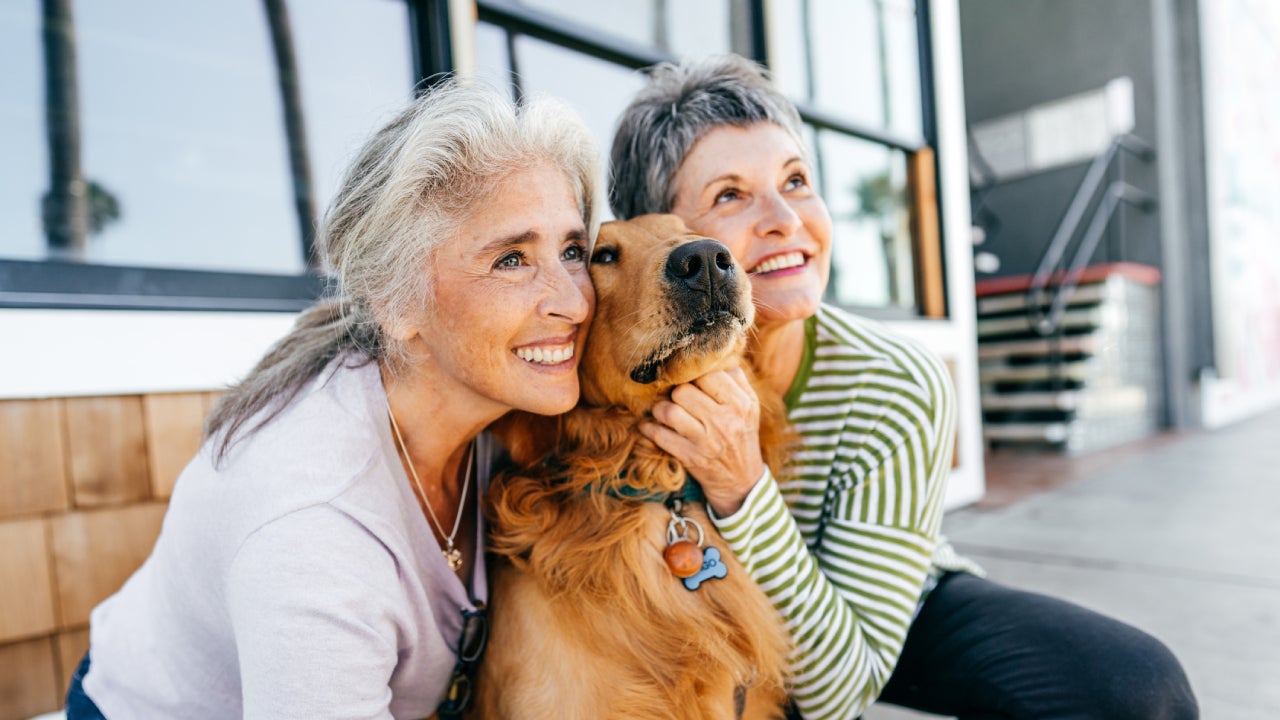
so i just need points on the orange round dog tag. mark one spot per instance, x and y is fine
(683, 557)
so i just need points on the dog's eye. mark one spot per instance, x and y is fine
(604, 256)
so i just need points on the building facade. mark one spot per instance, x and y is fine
(164, 166)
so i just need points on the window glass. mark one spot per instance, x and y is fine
(672, 26)
(493, 58)
(865, 186)
(856, 59)
(597, 90)
(180, 125)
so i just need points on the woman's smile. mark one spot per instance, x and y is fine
(514, 297)
(779, 265)
(549, 354)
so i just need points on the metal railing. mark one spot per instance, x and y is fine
(1057, 275)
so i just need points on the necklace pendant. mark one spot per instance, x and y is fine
(453, 556)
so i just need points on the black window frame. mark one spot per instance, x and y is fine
(518, 19)
(60, 284)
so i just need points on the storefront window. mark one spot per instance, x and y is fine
(856, 59)
(677, 27)
(170, 119)
(865, 186)
(597, 90)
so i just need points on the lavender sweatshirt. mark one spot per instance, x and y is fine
(298, 579)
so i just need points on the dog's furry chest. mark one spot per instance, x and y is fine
(595, 588)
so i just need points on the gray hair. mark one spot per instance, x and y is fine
(680, 103)
(414, 184)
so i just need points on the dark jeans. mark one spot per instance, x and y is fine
(79, 706)
(979, 650)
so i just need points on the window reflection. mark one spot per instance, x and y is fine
(672, 26)
(865, 186)
(855, 60)
(177, 112)
(858, 59)
(597, 90)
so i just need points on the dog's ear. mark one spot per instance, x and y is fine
(527, 436)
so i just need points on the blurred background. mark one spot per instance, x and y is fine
(1073, 203)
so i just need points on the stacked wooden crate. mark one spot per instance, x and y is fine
(1093, 383)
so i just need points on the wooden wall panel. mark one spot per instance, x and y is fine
(70, 647)
(33, 475)
(26, 581)
(931, 285)
(28, 680)
(173, 436)
(107, 446)
(96, 551)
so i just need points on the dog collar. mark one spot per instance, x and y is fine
(691, 491)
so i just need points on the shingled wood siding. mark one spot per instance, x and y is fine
(83, 487)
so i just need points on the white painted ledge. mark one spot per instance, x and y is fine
(63, 353)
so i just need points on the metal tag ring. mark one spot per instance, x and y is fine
(673, 534)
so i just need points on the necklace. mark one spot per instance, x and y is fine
(451, 554)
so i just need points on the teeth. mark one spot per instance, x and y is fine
(780, 262)
(551, 355)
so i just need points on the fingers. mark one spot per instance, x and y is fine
(727, 387)
(678, 416)
(713, 406)
(673, 443)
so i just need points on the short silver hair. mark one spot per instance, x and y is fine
(680, 103)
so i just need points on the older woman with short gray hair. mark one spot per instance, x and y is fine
(845, 540)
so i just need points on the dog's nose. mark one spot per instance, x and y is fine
(700, 265)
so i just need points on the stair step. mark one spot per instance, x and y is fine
(1032, 373)
(1083, 295)
(1066, 400)
(1086, 318)
(1050, 432)
(1111, 401)
(1074, 345)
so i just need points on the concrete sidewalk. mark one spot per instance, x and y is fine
(1181, 539)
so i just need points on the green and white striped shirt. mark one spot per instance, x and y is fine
(844, 545)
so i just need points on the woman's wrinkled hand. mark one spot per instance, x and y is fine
(712, 426)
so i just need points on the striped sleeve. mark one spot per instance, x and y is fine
(843, 546)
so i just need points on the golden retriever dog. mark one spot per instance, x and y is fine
(588, 620)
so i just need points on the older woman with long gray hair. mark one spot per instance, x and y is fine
(845, 542)
(322, 554)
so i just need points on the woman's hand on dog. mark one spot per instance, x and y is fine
(712, 426)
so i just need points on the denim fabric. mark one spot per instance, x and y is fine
(79, 706)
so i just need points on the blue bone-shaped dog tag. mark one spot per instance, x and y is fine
(711, 568)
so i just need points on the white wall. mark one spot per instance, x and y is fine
(59, 353)
(955, 339)
(1242, 153)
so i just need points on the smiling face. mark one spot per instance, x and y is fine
(512, 299)
(672, 306)
(751, 189)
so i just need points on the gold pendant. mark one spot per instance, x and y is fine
(453, 556)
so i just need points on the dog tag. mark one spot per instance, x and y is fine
(683, 557)
(711, 568)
